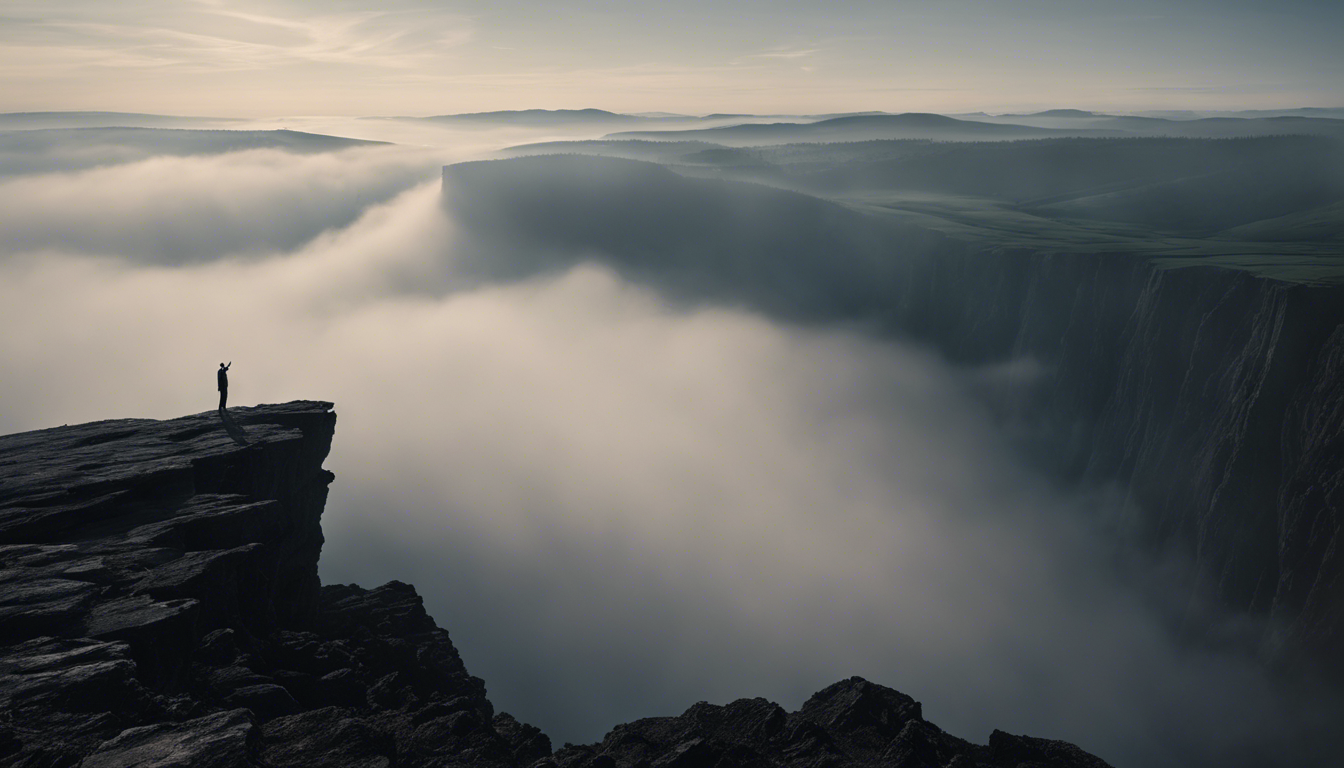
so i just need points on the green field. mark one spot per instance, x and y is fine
(1272, 206)
(996, 224)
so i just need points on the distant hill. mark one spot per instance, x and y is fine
(1193, 186)
(1227, 127)
(1185, 114)
(910, 125)
(1058, 113)
(67, 149)
(833, 115)
(1076, 122)
(540, 117)
(1332, 112)
(665, 152)
(1190, 186)
(659, 115)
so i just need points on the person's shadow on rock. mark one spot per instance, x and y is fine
(234, 429)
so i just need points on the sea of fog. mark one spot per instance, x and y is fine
(618, 505)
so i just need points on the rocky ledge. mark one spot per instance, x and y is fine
(160, 606)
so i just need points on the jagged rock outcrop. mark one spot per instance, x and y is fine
(851, 723)
(159, 606)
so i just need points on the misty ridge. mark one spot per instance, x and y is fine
(654, 418)
(913, 125)
(1182, 186)
(178, 195)
(69, 149)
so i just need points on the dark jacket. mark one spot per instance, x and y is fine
(223, 380)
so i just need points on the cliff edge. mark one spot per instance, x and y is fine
(160, 606)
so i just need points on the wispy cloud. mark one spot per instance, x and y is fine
(795, 53)
(1236, 88)
(211, 37)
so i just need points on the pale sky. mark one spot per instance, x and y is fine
(256, 58)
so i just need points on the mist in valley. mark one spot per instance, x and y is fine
(677, 451)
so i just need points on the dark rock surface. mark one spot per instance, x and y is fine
(851, 723)
(1213, 398)
(160, 607)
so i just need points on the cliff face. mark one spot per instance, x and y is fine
(159, 606)
(149, 516)
(1213, 399)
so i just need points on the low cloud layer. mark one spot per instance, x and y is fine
(175, 210)
(618, 505)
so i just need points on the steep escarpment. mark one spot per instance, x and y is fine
(159, 606)
(1208, 399)
(1211, 399)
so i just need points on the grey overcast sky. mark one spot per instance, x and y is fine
(419, 57)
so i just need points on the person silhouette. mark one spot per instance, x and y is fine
(223, 377)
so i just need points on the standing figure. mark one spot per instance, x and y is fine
(223, 377)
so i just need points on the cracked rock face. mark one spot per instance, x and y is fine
(160, 607)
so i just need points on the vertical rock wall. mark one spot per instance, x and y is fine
(1212, 398)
